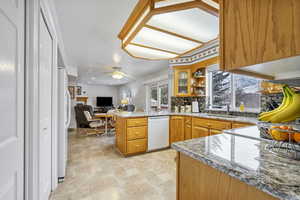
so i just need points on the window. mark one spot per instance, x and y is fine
(159, 96)
(154, 97)
(221, 91)
(233, 90)
(246, 91)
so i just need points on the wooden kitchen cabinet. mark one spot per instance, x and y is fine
(214, 132)
(132, 135)
(120, 134)
(176, 129)
(196, 180)
(182, 81)
(199, 131)
(258, 31)
(240, 125)
(187, 128)
(204, 127)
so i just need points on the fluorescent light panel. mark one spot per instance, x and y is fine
(164, 41)
(148, 53)
(164, 3)
(137, 23)
(193, 23)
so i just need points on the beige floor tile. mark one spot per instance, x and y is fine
(96, 171)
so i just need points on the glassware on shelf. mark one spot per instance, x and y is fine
(183, 83)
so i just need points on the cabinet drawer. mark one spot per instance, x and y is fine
(137, 122)
(137, 146)
(220, 125)
(210, 123)
(201, 122)
(240, 125)
(215, 132)
(139, 132)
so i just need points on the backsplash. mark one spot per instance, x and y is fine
(180, 101)
(268, 101)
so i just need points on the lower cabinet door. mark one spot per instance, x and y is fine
(199, 131)
(177, 129)
(187, 131)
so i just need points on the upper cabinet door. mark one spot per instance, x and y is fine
(258, 31)
(182, 80)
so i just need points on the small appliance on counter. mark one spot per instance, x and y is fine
(188, 108)
(176, 109)
(195, 107)
(182, 109)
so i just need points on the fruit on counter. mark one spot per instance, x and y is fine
(277, 134)
(286, 99)
(297, 137)
(285, 127)
(288, 111)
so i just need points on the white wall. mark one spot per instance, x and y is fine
(92, 91)
(138, 89)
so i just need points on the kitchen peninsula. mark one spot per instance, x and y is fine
(234, 167)
(132, 135)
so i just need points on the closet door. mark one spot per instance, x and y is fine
(45, 109)
(12, 99)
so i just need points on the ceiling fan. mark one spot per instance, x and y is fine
(117, 73)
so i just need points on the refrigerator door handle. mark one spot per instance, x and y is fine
(69, 110)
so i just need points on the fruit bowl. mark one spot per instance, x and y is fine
(285, 138)
(288, 132)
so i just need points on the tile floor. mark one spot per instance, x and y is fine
(96, 171)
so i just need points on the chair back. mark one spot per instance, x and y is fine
(81, 119)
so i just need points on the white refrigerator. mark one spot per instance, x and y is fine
(64, 118)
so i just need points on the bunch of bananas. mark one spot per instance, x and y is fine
(288, 111)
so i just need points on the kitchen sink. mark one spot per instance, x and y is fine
(221, 115)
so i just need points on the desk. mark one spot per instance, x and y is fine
(106, 116)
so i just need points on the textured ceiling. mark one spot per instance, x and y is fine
(89, 31)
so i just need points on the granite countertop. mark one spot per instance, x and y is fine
(247, 160)
(203, 115)
(251, 132)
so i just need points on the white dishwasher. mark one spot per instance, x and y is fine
(158, 132)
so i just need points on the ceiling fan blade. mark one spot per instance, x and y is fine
(108, 67)
(127, 75)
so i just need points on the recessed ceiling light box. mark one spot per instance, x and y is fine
(167, 29)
